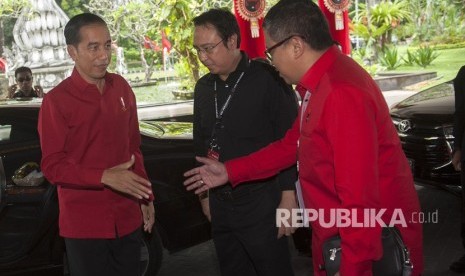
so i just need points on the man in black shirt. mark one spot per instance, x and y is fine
(23, 87)
(239, 107)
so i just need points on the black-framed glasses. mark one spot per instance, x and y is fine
(268, 50)
(208, 49)
(24, 79)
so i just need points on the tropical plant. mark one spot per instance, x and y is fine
(175, 17)
(389, 58)
(372, 69)
(380, 19)
(425, 55)
(371, 34)
(441, 19)
(73, 7)
(411, 58)
(360, 52)
(133, 21)
(136, 20)
(9, 9)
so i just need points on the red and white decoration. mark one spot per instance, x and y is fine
(337, 7)
(251, 10)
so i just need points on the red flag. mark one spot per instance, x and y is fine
(2, 65)
(150, 44)
(165, 42)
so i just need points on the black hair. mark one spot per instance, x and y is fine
(21, 70)
(301, 18)
(223, 21)
(74, 25)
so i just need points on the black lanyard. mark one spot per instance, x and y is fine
(219, 115)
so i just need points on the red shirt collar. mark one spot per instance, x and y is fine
(83, 85)
(311, 78)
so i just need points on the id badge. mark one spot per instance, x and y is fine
(212, 154)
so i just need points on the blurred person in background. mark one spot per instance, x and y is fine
(23, 87)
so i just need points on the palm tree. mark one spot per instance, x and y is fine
(375, 22)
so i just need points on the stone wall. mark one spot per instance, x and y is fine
(397, 81)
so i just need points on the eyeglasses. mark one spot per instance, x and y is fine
(206, 50)
(268, 50)
(24, 79)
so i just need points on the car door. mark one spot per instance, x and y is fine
(168, 152)
(29, 214)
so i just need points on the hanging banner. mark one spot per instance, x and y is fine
(337, 7)
(252, 11)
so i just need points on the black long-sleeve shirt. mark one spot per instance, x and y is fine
(261, 110)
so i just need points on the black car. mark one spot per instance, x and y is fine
(424, 123)
(29, 240)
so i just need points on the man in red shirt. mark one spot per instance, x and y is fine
(348, 152)
(90, 142)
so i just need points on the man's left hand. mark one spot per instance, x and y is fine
(39, 91)
(288, 202)
(148, 216)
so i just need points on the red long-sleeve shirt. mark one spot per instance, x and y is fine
(349, 156)
(82, 133)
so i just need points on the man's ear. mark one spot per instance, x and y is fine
(232, 42)
(72, 51)
(298, 46)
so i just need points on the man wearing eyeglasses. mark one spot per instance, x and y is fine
(239, 107)
(347, 150)
(23, 87)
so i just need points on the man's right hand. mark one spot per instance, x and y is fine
(212, 174)
(120, 178)
(456, 160)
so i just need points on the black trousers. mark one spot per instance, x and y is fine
(105, 257)
(245, 233)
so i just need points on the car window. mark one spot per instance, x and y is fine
(15, 132)
(5, 131)
(439, 91)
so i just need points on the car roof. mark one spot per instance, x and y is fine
(32, 103)
(151, 128)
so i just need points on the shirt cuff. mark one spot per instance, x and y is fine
(237, 170)
(93, 176)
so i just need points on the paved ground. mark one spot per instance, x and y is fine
(441, 243)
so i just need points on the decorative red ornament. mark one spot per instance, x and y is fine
(337, 7)
(251, 10)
